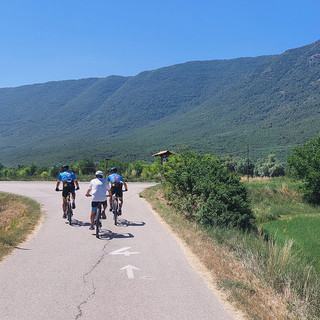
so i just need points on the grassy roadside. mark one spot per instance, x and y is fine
(18, 217)
(282, 213)
(256, 275)
(228, 273)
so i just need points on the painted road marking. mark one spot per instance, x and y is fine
(130, 269)
(123, 251)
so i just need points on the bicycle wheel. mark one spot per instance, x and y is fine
(97, 221)
(115, 209)
(69, 212)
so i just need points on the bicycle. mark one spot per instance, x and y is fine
(69, 207)
(115, 207)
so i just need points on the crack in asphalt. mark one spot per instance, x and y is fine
(92, 293)
(79, 307)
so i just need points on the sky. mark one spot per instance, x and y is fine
(52, 40)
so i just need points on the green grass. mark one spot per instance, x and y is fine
(281, 212)
(305, 232)
(276, 198)
(15, 231)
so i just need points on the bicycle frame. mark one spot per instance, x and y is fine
(115, 207)
(69, 207)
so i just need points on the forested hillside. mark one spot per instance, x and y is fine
(220, 106)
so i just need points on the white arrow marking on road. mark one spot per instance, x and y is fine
(129, 269)
(123, 251)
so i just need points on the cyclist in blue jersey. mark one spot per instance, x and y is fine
(69, 181)
(116, 183)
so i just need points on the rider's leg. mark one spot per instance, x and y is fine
(104, 205)
(120, 205)
(92, 216)
(73, 199)
(64, 207)
(64, 204)
(110, 201)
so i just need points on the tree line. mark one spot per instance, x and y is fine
(139, 169)
(84, 170)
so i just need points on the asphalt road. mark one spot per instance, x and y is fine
(136, 270)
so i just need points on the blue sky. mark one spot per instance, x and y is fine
(49, 40)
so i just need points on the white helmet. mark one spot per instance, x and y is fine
(99, 174)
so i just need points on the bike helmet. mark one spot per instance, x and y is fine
(113, 170)
(65, 168)
(99, 174)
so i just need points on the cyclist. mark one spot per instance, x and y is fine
(116, 183)
(68, 180)
(98, 188)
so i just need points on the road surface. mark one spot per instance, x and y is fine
(135, 271)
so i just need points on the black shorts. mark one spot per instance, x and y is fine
(117, 189)
(68, 188)
(95, 204)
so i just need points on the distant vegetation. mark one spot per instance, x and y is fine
(85, 169)
(138, 170)
(270, 103)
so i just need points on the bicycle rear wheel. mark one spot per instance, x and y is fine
(115, 210)
(69, 213)
(98, 216)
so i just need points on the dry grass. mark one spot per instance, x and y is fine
(255, 179)
(11, 211)
(290, 193)
(18, 218)
(242, 287)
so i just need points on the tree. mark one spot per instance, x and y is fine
(245, 167)
(87, 166)
(54, 172)
(269, 167)
(304, 164)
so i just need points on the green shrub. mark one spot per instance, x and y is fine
(203, 188)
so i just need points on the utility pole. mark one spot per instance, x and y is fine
(248, 161)
(106, 167)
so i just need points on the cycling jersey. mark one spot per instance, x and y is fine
(114, 178)
(116, 184)
(67, 176)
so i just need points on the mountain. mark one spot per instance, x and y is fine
(270, 103)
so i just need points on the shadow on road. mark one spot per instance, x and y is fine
(20, 248)
(126, 223)
(78, 223)
(109, 235)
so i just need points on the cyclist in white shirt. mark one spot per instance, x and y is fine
(98, 189)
